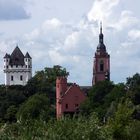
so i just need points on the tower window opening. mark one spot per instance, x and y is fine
(12, 78)
(21, 77)
(66, 106)
(101, 66)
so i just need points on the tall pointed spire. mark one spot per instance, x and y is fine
(101, 36)
(101, 27)
(101, 45)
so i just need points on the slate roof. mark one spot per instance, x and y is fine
(27, 55)
(17, 57)
(7, 56)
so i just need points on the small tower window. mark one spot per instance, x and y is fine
(21, 77)
(7, 67)
(66, 106)
(12, 78)
(101, 66)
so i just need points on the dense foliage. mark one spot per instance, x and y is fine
(110, 112)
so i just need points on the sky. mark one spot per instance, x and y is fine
(65, 32)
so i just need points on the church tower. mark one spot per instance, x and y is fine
(101, 64)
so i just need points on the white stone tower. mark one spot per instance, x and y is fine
(17, 68)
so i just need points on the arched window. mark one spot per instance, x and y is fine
(101, 65)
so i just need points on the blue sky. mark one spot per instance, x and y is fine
(65, 32)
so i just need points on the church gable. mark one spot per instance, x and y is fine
(72, 99)
(73, 91)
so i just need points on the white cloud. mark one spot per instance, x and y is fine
(13, 10)
(134, 34)
(127, 19)
(73, 45)
(102, 9)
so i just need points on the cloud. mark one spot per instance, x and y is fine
(134, 34)
(13, 10)
(101, 9)
(73, 45)
(127, 20)
(65, 44)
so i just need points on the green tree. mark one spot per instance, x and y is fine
(44, 81)
(10, 113)
(10, 99)
(133, 85)
(122, 120)
(133, 82)
(36, 107)
(96, 98)
(66, 128)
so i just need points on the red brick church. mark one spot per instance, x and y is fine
(69, 98)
